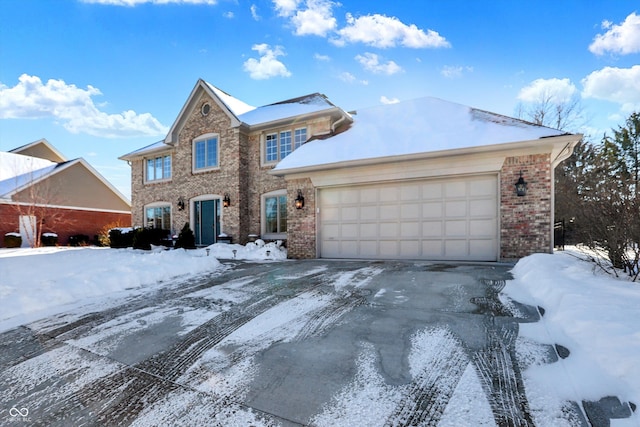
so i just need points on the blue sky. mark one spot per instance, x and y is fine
(101, 78)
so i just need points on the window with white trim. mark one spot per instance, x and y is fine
(274, 214)
(158, 168)
(158, 217)
(206, 150)
(279, 145)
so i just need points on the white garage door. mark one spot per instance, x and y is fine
(452, 219)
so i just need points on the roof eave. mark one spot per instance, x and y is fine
(561, 143)
(333, 111)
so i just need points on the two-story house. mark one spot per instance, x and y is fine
(421, 179)
(213, 168)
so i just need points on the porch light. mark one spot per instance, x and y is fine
(299, 202)
(226, 201)
(180, 203)
(521, 186)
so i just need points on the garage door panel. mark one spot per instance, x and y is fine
(432, 249)
(443, 219)
(349, 231)
(389, 212)
(432, 190)
(410, 229)
(368, 213)
(369, 230)
(410, 211)
(455, 228)
(389, 229)
(482, 207)
(456, 208)
(432, 210)
(388, 248)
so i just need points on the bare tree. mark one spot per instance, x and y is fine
(552, 111)
(34, 204)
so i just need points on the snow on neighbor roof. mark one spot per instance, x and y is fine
(236, 106)
(281, 110)
(418, 126)
(17, 170)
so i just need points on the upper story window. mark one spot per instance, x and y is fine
(158, 168)
(279, 145)
(206, 152)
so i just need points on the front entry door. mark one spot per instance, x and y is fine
(207, 221)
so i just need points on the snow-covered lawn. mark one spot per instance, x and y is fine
(594, 316)
(35, 283)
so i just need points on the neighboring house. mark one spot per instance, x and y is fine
(422, 179)
(41, 191)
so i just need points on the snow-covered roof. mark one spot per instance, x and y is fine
(411, 127)
(234, 105)
(17, 170)
(151, 148)
(291, 108)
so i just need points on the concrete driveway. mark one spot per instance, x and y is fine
(291, 343)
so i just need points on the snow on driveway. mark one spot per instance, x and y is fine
(313, 342)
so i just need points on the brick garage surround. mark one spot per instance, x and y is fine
(525, 222)
(301, 223)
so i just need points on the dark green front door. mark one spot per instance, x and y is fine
(207, 221)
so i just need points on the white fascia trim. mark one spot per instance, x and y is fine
(74, 208)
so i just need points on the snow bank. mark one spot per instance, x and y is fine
(40, 282)
(44, 281)
(595, 316)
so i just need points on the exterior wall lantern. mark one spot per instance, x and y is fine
(299, 202)
(521, 186)
(180, 203)
(226, 201)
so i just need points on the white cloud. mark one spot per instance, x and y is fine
(453, 71)
(385, 100)
(382, 31)
(228, 15)
(254, 12)
(132, 3)
(619, 85)
(553, 90)
(74, 107)
(619, 39)
(316, 20)
(350, 78)
(320, 57)
(267, 65)
(286, 8)
(371, 62)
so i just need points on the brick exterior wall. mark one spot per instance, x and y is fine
(525, 222)
(301, 223)
(241, 174)
(69, 222)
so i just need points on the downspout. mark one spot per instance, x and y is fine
(335, 124)
(564, 154)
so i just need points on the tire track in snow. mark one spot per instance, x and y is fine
(119, 397)
(435, 382)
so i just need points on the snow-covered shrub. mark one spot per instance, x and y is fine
(49, 239)
(12, 240)
(186, 239)
(121, 237)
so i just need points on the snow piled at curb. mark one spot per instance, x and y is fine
(593, 315)
(35, 283)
